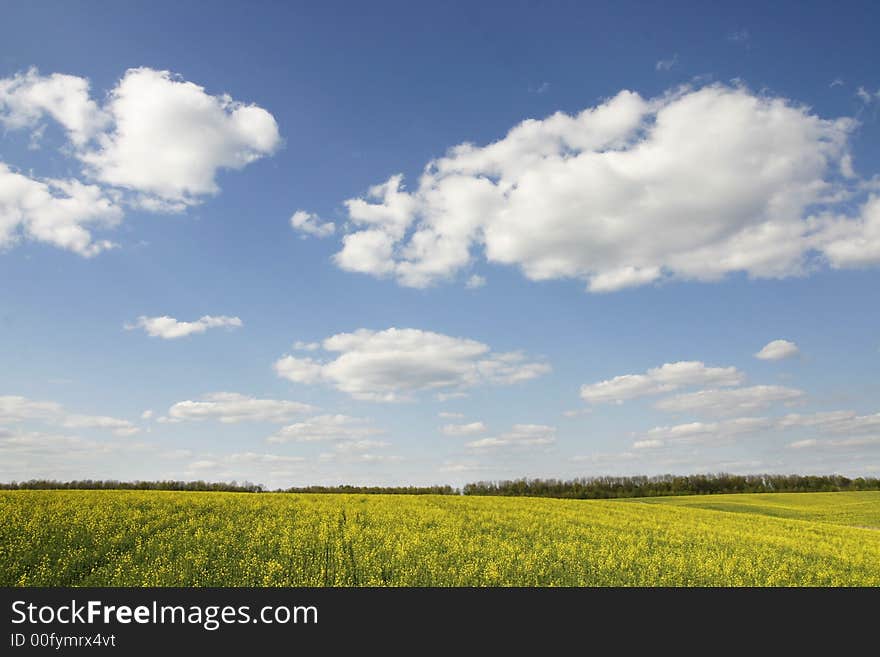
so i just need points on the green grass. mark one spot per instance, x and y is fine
(857, 509)
(152, 538)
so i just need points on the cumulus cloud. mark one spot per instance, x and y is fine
(157, 142)
(311, 224)
(695, 184)
(665, 378)
(468, 429)
(326, 428)
(170, 137)
(520, 435)
(730, 401)
(395, 364)
(853, 243)
(54, 211)
(169, 328)
(778, 350)
(27, 98)
(232, 407)
(15, 409)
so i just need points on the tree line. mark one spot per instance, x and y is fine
(705, 484)
(376, 490)
(104, 484)
(229, 487)
(583, 488)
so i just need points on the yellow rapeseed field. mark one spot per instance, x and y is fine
(128, 538)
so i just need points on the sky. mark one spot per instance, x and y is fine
(406, 243)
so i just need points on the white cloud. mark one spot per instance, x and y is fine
(26, 98)
(326, 428)
(231, 407)
(57, 212)
(446, 396)
(729, 402)
(15, 409)
(311, 224)
(356, 456)
(306, 346)
(475, 282)
(464, 429)
(846, 444)
(119, 427)
(169, 328)
(299, 370)
(854, 243)
(725, 431)
(450, 416)
(157, 143)
(147, 415)
(704, 432)
(38, 454)
(520, 435)
(170, 137)
(38, 443)
(866, 441)
(666, 64)
(694, 185)
(394, 364)
(361, 445)
(665, 378)
(866, 96)
(833, 421)
(778, 350)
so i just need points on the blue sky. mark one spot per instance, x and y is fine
(650, 196)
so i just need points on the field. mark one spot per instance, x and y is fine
(128, 538)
